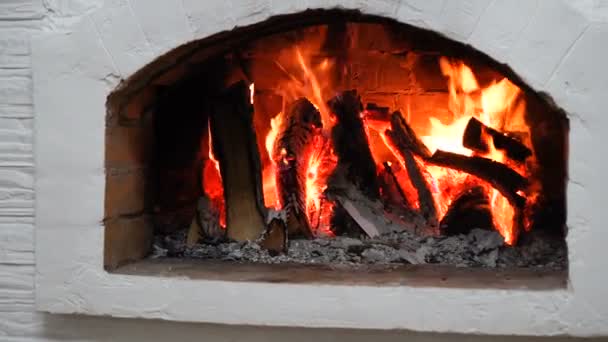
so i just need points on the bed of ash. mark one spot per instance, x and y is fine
(478, 248)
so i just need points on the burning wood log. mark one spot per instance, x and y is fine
(404, 137)
(500, 176)
(275, 238)
(291, 154)
(234, 145)
(350, 143)
(406, 143)
(476, 138)
(394, 191)
(471, 209)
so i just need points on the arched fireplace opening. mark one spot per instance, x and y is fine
(334, 137)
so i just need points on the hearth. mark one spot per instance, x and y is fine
(335, 138)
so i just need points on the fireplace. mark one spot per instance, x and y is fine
(334, 138)
(100, 176)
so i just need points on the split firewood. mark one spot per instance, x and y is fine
(478, 136)
(403, 139)
(500, 176)
(235, 147)
(391, 188)
(470, 209)
(369, 216)
(291, 154)
(361, 215)
(275, 238)
(507, 181)
(351, 144)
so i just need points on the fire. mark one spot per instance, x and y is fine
(212, 181)
(306, 82)
(271, 199)
(492, 105)
(497, 104)
(320, 166)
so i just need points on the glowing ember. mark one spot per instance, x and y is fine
(321, 165)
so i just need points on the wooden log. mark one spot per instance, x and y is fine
(501, 177)
(470, 209)
(404, 137)
(362, 216)
(356, 214)
(234, 146)
(291, 154)
(350, 143)
(404, 140)
(275, 238)
(394, 192)
(477, 137)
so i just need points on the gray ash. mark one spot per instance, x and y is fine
(478, 248)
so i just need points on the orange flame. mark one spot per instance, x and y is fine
(321, 161)
(496, 104)
(212, 181)
(492, 105)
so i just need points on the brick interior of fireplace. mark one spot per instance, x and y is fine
(157, 139)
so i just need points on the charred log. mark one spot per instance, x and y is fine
(406, 143)
(475, 134)
(275, 238)
(404, 137)
(350, 143)
(391, 190)
(501, 177)
(291, 154)
(471, 209)
(234, 145)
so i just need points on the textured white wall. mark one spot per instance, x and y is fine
(19, 20)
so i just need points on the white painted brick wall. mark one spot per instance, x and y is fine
(20, 19)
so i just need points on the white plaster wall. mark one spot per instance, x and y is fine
(557, 66)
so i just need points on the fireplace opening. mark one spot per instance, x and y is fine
(334, 138)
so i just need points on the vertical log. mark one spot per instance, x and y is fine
(234, 145)
(275, 239)
(394, 191)
(351, 144)
(405, 142)
(291, 155)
